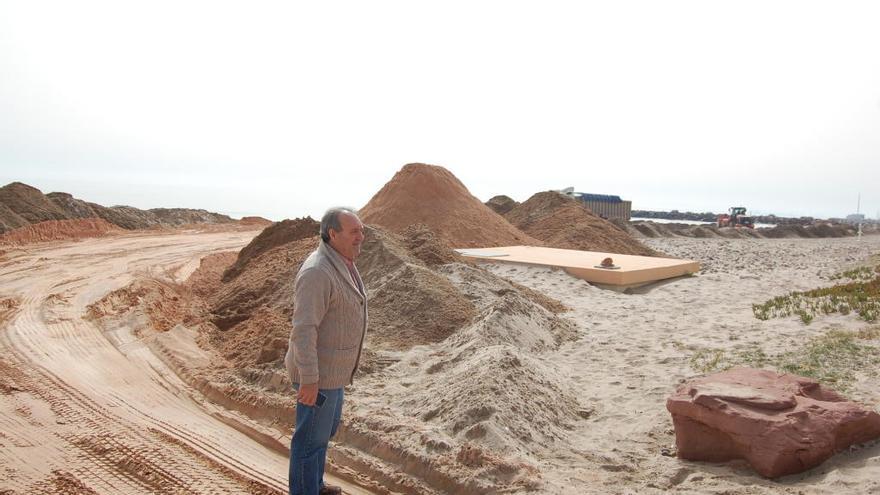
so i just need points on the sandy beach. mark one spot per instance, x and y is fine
(603, 426)
(520, 398)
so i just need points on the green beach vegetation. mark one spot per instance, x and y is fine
(833, 358)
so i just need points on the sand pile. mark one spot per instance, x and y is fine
(267, 280)
(477, 397)
(499, 385)
(566, 223)
(822, 230)
(654, 230)
(74, 208)
(22, 205)
(252, 303)
(529, 319)
(410, 304)
(255, 221)
(432, 196)
(453, 328)
(501, 204)
(273, 236)
(432, 250)
(173, 217)
(57, 230)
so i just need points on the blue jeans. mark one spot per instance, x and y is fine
(315, 425)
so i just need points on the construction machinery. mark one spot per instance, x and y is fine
(736, 217)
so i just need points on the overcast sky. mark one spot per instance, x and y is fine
(282, 109)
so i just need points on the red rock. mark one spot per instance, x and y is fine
(780, 424)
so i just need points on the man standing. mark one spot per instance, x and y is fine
(329, 323)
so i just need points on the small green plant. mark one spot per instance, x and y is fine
(805, 317)
(860, 273)
(861, 295)
(708, 360)
(833, 358)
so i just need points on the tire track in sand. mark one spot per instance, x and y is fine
(116, 429)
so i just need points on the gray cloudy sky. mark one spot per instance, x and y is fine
(284, 108)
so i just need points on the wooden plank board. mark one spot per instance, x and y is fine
(629, 270)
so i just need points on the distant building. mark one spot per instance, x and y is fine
(855, 218)
(604, 205)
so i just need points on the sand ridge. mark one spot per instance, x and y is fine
(22, 205)
(564, 222)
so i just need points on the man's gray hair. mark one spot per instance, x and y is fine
(330, 220)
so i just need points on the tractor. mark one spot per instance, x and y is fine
(736, 218)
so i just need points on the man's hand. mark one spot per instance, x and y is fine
(308, 394)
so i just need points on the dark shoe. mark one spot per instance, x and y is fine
(330, 490)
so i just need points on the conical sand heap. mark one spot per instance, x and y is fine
(566, 223)
(431, 195)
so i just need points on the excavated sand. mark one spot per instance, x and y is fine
(21, 205)
(566, 223)
(641, 229)
(431, 195)
(57, 230)
(484, 323)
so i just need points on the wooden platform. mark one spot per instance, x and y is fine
(628, 271)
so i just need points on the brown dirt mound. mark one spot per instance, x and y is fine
(648, 229)
(206, 279)
(10, 220)
(501, 412)
(421, 241)
(501, 204)
(809, 231)
(653, 229)
(566, 223)
(431, 195)
(255, 221)
(410, 304)
(22, 205)
(267, 280)
(273, 236)
(57, 230)
(25, 205)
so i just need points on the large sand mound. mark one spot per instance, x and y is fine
(431, 195)
(501, 204)
(410, 304)
(566, 223)
(57, 230)
(21, 205)
(24, 205)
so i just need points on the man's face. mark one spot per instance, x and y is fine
(348, 240)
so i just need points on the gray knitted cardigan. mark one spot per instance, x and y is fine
(329, 321)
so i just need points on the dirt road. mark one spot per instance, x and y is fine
(87, 410)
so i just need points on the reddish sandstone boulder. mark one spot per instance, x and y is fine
(780, 424)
